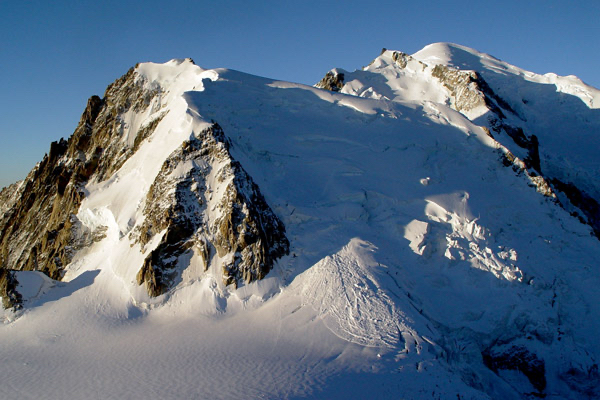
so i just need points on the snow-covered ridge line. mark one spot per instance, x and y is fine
(421, 261)
(511, 103)
(465, 58)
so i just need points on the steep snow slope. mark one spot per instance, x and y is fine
(563, 112)
(419, 265)
(550, 122)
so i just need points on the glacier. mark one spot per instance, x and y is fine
(420, 243)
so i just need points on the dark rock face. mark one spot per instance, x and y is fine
(212, 209)
(37, 227)
(249, 229)
(100, 134)
(530, 144)
(588, 206)
(469, 89)
(518, 358)
(332, 81)
(35, 231)
(8, 290)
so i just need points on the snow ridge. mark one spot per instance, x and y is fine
(430, 206)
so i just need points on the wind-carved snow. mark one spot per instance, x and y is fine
(345, 292)
(416, 231)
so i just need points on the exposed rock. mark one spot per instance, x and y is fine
(469, 90)
(99, 140)
(530, 144)
(588, 206)
(37, 226)
(146, 131)
(230, 220)
(533, 156)
(153, 277)
(8, 197)
(332, 81)
(508, 159)
(8, 289)
(518, 358)
(248, 229)
(487, 131)
(464, 87)
(401, 58)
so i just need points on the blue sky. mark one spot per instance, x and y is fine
(56, 54)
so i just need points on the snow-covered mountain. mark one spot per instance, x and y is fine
(426, 227)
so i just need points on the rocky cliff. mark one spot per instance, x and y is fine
(204, 203)
(214, 209)
(36, 230)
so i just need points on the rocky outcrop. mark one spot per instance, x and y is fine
(204, 204)
(586, 204)
(469, 93)
(228, 219)
(333, 81)
(468, 90)
(8, 290)
(518, 358)
(101, 140)
(401, 58)
(529, 143)
(572, 198)
(37, 229)
(8, 198)
(35, 232)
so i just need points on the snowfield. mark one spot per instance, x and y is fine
(420, 266)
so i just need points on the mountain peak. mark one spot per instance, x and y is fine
(451, 54)
(430, 222)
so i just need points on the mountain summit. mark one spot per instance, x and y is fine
(426, 227)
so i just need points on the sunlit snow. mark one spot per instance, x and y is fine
(412, 248)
